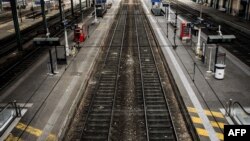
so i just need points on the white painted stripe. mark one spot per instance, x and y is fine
(58, 110)
(186, 84)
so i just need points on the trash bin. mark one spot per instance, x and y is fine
(219, 71)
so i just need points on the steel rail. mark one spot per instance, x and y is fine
(158, 75)
(99, 78)
(117, 76)
(7, 74)
(28, 34)
(142, 86)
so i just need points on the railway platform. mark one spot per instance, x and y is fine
(50, 100)
(205, 97)
(7, 28)
(220, 16)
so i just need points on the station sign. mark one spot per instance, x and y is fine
(55, 41)
(214, 39)
(165, 4)
(155, 1)
(100, 1)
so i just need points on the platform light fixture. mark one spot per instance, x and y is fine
(65, 31)
(198, 45)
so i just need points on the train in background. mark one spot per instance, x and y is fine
(48, 3)
(183, 25)
(25, 3)
(20, 4)
(54, 4)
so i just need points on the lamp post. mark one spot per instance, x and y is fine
(175, 25)
(95, 20)
(80, 1)
(20, 11)
(13, 5)
(198, 45)
(72, 8)
(44, 18)
(1, 6)
(65, 32)
(169, 12)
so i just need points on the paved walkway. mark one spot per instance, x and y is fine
(205, 97)
(53, 99)
(7, 29)
(233, 21)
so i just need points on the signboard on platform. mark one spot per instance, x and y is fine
(214, 39)
(155, 1)
(165, 4)
(101, 1)
(46, 41)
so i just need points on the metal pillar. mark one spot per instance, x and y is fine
(216, 55)
(229, 4)
(169, 12)
(210, 60)
(51, 61)
(198, 45)
(95, 20)
(65, 33)
(80, 1)
(247, 11)
(20, 12)
(175, 30)
(1, 6)
(72, 7)
(60, 10)
(44, 17)
(80, 4)
(16, 24)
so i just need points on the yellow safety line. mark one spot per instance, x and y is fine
(213, 123)
(34, 131)
(12, 138)
(29, 129)
(10, 30)
(51, 138)
(207, 112)
(204, 132)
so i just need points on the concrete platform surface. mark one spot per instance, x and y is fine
(233, 21)
(52, 99)
(204, 96)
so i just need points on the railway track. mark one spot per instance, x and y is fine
(240, 47)
(100, 114)
(9, 45)
(8, 17)
(13, 70)
(128, 101)
(159, 124)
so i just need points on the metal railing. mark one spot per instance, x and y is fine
(238, 115)
(8, 113)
